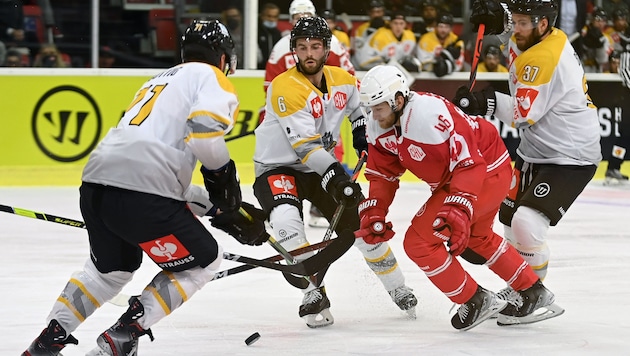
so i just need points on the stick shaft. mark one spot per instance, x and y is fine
(477, 54)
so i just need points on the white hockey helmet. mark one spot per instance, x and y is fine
(301, 7)
(381, 84)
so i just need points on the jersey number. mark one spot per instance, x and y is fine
(147, 97)
(530, 73)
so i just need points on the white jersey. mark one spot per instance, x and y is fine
(557, 120)
(301, 121)
(176, 118)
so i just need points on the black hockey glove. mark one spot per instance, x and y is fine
(594, 37)
(224, 187)
(359, 141)
(444, 64)
(476, 103)
(338, 184)
(493, 14)
(247, 227)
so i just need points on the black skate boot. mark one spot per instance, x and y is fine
(481, 306)
(50, 341)
(405, 300)
(317, 219)
(534, 304)
(122, 337)
(314, 309)
(615, 176)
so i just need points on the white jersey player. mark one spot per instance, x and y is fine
(133, 198)
(558, 125)
(305, 108)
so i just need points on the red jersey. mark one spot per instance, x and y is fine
(438, 143)
(281, 59)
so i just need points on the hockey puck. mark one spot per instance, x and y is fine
(252, 339)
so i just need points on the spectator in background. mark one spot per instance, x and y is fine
(429, 16)
(492, 61)
(597, 44)
(268, 32)
(617, 31)
(393, 42)
(571, 20)
(13, 59)
(233, 19)
(49, 57)
(441, 51)
(106, 58)
(364, 32)
(11, 23)
(611, 5)
(331, 18)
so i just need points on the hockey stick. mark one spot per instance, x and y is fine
(306, 267)
(477, 54)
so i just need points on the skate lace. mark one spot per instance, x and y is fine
(312, 296)
(511, 296)
(400, 293)
(462, 312)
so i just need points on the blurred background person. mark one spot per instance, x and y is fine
(441, 51)
(492, 61)
(364, 32)
(331, 18)
(618, 31)
(50, 57)
(268, 32)
(597, 44)
(572, 19)
(13, 59)
(233, 19)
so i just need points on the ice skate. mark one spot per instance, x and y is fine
(509, 295)
(50, 341)
(532, 305)
(406, 301)
(317, 219)
(122, 337)
(481, 306)
(314, 309)
(614, 176)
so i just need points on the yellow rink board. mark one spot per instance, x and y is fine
(51, 120)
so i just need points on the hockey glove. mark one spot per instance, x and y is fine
(493, 14)
(373, 228)
(476, 103)
(224, 187)
(594, 37)
(444, 64)
(338, 184)
(247, 226)
(359, 141)
(452, 222)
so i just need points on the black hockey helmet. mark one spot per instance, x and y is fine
(620, 13)
(329, 14)
(536, 9)
(376, 3)
(445, 18)
(311, 27)
(599, 14)
(207, 41)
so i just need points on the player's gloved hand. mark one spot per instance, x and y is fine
(359, 141)
(246, 225)
(493, 14)
(224, 187)
(594, 38)
(476, 103)
(338, 184)
(452, 222)
(373, 228)
(444, 63)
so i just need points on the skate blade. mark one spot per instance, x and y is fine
(614, 181)
(411, 313)
(494, 309)
(97, 351)
(540, 314)
(323, 318)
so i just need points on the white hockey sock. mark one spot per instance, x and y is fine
(382, 262)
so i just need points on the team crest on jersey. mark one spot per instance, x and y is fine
(416, 153)
(525, 98)
(281, 184)
(389, 143)
(167, 251)
(391, 51)
(317, 107)
(340, 99)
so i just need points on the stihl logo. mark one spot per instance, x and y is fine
(525, 99)
(340, 100)
(317, 107)
(164, 249)
(282, 184)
